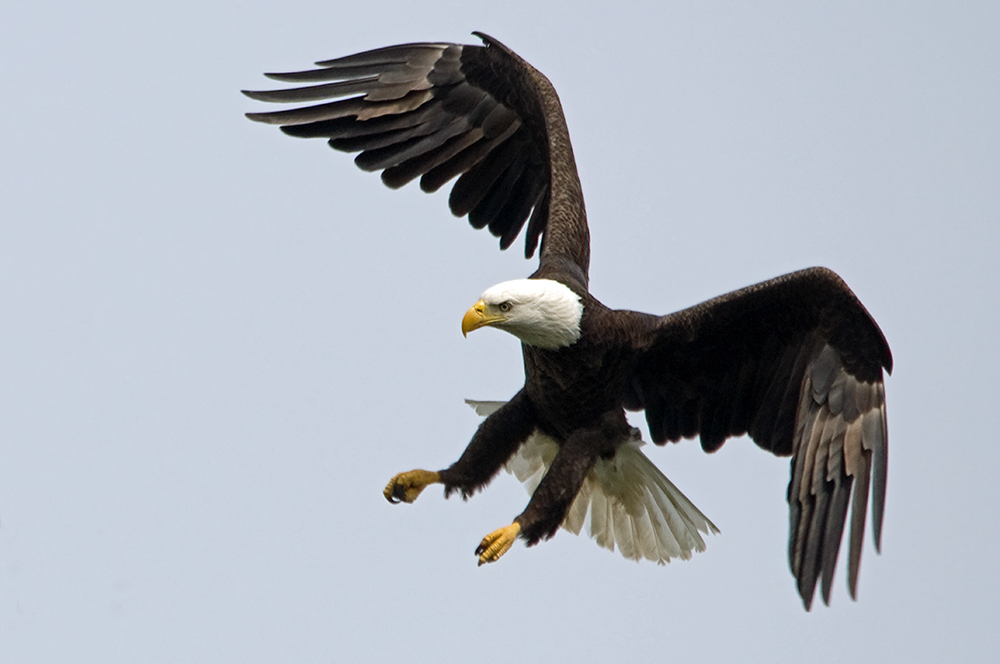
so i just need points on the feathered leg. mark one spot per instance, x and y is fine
(497, 438)
(555, 494)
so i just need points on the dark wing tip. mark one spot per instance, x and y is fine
(284, 77)
(269, 96)
(887, 358)
(493, 42)
(266, 118)
(292, 76)
(486, 38)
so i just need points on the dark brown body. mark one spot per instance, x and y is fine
(574, 395)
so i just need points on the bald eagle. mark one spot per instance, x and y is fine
(795, 362)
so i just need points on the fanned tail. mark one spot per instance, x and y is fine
(626, 500)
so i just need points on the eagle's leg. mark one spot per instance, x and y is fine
(555, 494)
(496, 440)
(496, 543)
(548, 505)
(405, 487)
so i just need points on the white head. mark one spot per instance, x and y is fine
(539, 312)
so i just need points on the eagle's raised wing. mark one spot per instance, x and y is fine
(796, 362)
(440, 111)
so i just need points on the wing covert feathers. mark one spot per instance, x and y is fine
(625, 501)
(436, 112)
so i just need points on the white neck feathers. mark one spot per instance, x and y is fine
(540, 312)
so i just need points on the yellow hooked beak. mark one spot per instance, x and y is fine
(478, 317)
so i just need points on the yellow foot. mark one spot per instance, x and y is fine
(405, 487)
(496, 543)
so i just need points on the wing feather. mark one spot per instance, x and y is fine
(472, 152)
(797, 362)
(439, 111)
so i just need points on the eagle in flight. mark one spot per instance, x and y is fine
(795, 362)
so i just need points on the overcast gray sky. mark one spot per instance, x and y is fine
(218, 343)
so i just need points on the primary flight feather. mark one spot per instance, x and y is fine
(795, 362)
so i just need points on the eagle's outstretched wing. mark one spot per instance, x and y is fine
(440, 111)
(796, 362)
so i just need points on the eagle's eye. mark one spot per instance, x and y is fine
(504, 306)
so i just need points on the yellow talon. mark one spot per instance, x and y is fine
(405, 487)
(497, 543)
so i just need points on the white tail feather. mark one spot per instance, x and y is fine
(626, 500)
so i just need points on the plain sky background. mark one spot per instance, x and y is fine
(217, 343)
